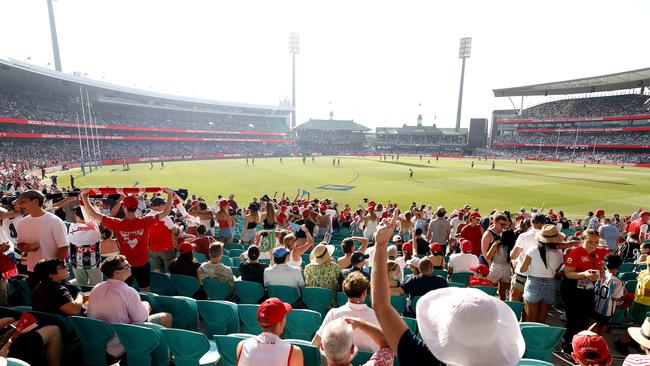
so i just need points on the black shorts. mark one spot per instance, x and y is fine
(27, 347)
(601, 319)
(142, 274)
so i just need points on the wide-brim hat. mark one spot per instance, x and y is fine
(321, 253)
(641, 334)
(550, 234)
(467, 327)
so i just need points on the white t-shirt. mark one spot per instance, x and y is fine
(361, 311)
(48, 231)
(454, 222)
(84, 234)
(536, 268)
(525, 241)
(371, 254)
(461, 262)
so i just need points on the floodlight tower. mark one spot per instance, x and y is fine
(463, 53)
(294, 48)
(55, 40)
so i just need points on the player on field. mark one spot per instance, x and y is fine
(410, 174)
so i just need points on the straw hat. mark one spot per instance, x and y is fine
(641, 334)
(321, 253)
(550, 234)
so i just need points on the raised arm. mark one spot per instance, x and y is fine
(364, 242)
(389, 320)
(374, 332)
(89, 208)
(116, 207)
(168, 206)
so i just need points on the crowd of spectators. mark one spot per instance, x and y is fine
(563, 154)
(616, 105)
(580, 138)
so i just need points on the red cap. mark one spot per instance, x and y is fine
(371, 209)
(465, 245)
(186, 247)
(305, 213)
(481, 268)
(643, 213)
(461, 210)
(600, 212)
(577, 233)
(519, 217)
(371, 203)
(593, 345)
(323, 210)
(435, 248)
(295, 209)
(272, 311)
(407, 247)
(385, 215)
(130, 202)
(284, 208)
(475, 214)
(223, 203)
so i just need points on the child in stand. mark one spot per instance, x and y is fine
(480, 276)
(609, 291)
(645, 250)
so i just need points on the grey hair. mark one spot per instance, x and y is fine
(337, 341)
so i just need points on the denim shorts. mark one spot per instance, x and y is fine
(540, 289)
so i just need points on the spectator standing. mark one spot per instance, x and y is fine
(85, 256)
(203, 241)
(473, 232)
(609, 233)
(161, 242)
(609, 291)
(439, 229)
(525, 241)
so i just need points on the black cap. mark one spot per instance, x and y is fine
(358, 257)
(253, 252)
(538, 218)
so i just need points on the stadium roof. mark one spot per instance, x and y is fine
(47, 77)
(420, 130)
(331, 124)
(622, 80)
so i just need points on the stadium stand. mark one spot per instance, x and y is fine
(332, 137)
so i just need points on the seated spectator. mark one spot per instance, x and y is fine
(281, 273)
(322, 271)
(347, 245)
(590, 349)
(644, 251)
(203, 242)
(40, 346)
(481, 271)
(464, 261)
(114, 301)
(84, 250)
(185, 263)
(437, 256)
(355, 287)
(338, 343)
(458, 326)
(414, 265)
(251, 269)
(419, 285)
(52, 295)
(357, 262)
(395, 278)
(268, 348)
(407, 252)
(214, 268)
(642, 336)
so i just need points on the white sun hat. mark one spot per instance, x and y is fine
(467, 327)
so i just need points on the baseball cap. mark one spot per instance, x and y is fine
(280, 252)
(272, 311)
(158, 201)
(591, 348)
(358, 257)
(186, 247)
(415, 262)
(223, 203)
(643, 213)
(407, 247)
(475, 215)
(392, 249)
(397, 238)
(253, 252)
(481, 268)
(30, 194)
(130, 202)
(435, 247)
(538, 218)
(295, 209)
(465, 245)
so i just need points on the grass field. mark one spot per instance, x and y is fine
(449, 182)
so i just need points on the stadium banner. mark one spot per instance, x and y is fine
(129, 128)
(571, 130)
(134, 138)
(576, 119)
(580, 146)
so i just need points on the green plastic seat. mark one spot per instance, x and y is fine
(248, 317)
(231, 246)
(216, 290)
(317, 299)
(439, 272)
(227, 347)
(200, 257)
(642, 266)
(310, 353)
(630, 285)
(226, 261)
(414, 302)
(287, 294)
(361, 358)
(265, 261)
(185, 313)
(541, 340)
(249, 292)
(461, 277)
(161, 284)
(151, 298)
(220, 317)
(94, 335)
(626, 267)
(235, 261)
(16, 362)
(531, 362)
(531, 324)
(398, 303)
(490, 290)
(517, 307)
(235, 253)
(191, 348)
(184, 285)
(618, 316)
(21, 294)
(138, 341)
(456, 284)
(6, 312)
(342, 298)
(627, 276)
(411, 323)
(235, 270)
(302, 324)
(160, 355)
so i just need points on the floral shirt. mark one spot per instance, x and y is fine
(322, 275)
(383, 357)
(218, 272)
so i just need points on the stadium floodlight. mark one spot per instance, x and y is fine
(55, 40)
(463, 53)
(294, 48)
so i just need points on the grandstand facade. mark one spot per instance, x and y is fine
(41, 109)
(331, 137)
(605, 128)
(421, 138)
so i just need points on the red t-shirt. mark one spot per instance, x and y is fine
(475, 281)
(160, 237)
(133, 237)
(473, 234)
(581, 260)
(203, 245)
